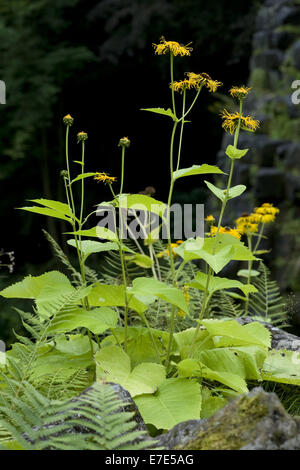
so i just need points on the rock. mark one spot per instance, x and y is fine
(268, 59)
(295, 53)
(269, 185)
(255, 421)
(291, 155)
(280, 338)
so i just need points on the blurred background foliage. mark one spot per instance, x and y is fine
(94, 60)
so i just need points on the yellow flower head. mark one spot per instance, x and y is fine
(124, 142)
(210, 219)
(266, 213)
(68, 120)
(105, 178)
(239, 92)
(171, 46)
(231, 121)
(229, 231)
(82, 136)
(246, 224)
(203, 79)
(167, 253)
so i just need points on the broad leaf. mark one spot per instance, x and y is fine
(282, 366)
(233, 192)
(219, 283)
(112, 295)
(197, 170)
(113, 365)
(176, 400)
(235, 153)
(96, 320)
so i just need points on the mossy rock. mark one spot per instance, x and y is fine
(256, 421)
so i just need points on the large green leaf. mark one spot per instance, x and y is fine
(141, 202)
(235, 153)
(165, 112)
(219, 283)
(110, 295)
(282, 366)
(88, 247)
(197, 170)
(233, 192)
(176, 400)
(145, 286)
(96, 320)
(56, 209)
(195, 368)
(113, 365)
(31, 286)
(83, 176)
(96, 232)
(231, 333)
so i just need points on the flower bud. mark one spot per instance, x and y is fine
(68, 120)
(81, 136)
(124, 142)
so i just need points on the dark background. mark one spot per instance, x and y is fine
(95, 60)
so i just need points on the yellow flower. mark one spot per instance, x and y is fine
(203, 79)
(166, 252)
(231, 121)
(239, 92)
(246, 224)
(105, 178)
(265, 214)
(185, 289)
(196, 81)
(210, 219)
(68, 120)
(229, 231)
(172, 46)
(82, 136)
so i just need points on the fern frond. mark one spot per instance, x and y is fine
(95, 420)
(267, 303)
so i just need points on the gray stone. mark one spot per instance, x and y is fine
(269, 185)
(292, 155)
(255, 421)
(295, 53)
(268, 59)
(280, 339)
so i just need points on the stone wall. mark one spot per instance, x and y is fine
(271, 170)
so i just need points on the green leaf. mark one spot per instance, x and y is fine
(176, 400)
(282, 366)
(210, 403)
(165, 112)
(112, 295)
(140, 260)
(221, 193)
(88, 247)
(83, 176)
(113, 365)
(246, 272)
(220, 283)
(195, 368)
(46, 211)
(231, 333)
(97, 320)
(197, 170)
(141, 202)
(235, 153)
(31, 286)
(96, 232)
(144, 286)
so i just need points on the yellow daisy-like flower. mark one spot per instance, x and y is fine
(239, 92)
(210, 219)
(229, 231)
(246, 224)
(265, 214)
(105, 178)
(186, 293)
(231, 121)
(203, 79)
(196, 81)
(172, 46)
